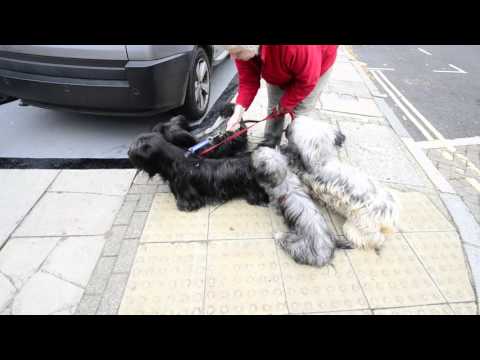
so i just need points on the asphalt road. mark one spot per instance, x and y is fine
(450, 101)
(35, 133)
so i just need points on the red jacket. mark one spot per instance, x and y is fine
(294, 68)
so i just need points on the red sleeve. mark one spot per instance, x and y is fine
(306, 63)
(249, 81)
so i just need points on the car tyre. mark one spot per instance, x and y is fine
(199, 85)
(4, 99)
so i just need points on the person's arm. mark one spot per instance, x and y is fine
(249, 82)
(305, 62)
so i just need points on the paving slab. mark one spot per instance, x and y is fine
(465, 308)
(467, 226)
(7, 291)
(166, 223)
(70, 214)
(353, 88)
(378, 152)
(345, 72)
(99, 181)
(45, 294)
(311, 289)
(22, 257)
(243, 277)
(350, 104)
(442, 255)
(20, 191)
(75, 258)
(396, 278)
(418, 214)
(239, 220)
(166, 279)
(349, 313)
(442, 309)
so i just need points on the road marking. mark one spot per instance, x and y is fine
(391, 89)
(435, 144)
(424, 51)
(382, 69)
(422, 118)
(457, 70)
(400, 105)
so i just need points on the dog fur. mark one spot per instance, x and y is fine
(371, 211)
(310, 242)
(195, 182)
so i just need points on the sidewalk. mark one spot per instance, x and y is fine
(113, 242)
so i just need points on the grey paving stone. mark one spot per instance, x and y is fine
(113, 295)
(100, 181)
(74, 258)
(113, 240)
(61, 214)
(88, 305)
(101, 274)
(163, 189)
(354, 88)
(7, 311)
(7, 291)
(469, 229)
(377, 150)
(392, 118)
(473, 255)
(22, 257)
(126, 257)
(143, 189)
(45, 294)
(136, 225)
(20, 191)
(143, 179)
(132, 197)
(145, 202)
(126, 211)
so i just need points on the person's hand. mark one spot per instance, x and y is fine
(236, 117)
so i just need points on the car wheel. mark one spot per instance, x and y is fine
(198, 87)
(4, 99)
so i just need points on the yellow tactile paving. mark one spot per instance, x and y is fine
(354, 312)
(442, 256)
(239, 220)
(243, 277)
(166, 279)
(464, 309)
(396, 278)
(166, 223)
(418, 213)
(442, 309)
(311, 289)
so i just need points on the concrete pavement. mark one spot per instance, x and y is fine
(105, 242)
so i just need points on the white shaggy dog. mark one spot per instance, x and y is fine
(310, 241)
(371, 211)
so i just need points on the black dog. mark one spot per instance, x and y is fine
(195, 182)
(177, 132)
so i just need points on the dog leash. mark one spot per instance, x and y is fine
(240, 132)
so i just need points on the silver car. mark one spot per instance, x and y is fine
(111, 79)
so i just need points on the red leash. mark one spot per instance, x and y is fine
(237, 134)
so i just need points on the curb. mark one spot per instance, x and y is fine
(465, 223)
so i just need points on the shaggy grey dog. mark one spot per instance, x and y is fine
(371, 211)
(310, 242)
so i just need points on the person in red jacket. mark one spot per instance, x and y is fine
(295, 77)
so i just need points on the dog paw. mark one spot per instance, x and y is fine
(184, 205)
